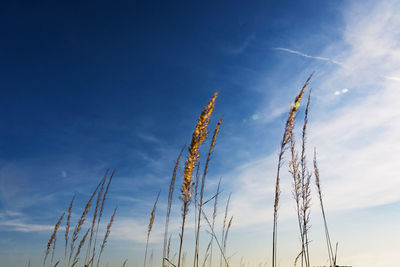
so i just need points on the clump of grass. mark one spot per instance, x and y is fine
(199, 135)
(285, 140)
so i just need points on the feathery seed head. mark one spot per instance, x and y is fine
(199, 135)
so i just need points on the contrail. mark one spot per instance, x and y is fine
(308, 56)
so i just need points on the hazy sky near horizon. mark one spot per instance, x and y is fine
(91, 86)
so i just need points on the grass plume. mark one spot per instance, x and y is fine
(199, 135)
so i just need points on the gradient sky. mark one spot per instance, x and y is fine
(90, 86)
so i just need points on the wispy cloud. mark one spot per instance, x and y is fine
(16, 221)
(309, 56)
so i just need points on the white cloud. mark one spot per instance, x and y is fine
(308, 56)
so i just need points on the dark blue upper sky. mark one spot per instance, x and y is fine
(80, 77)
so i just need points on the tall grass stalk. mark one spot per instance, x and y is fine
(203, 182)
(213, 220)
(103, 200)
(199, 135)
(216, 239)
(285, 139)
(80, 223)
(99, 195)
(68, 226)
(106, 236)
(151, 222)
(306, 189)
(52, 238)
(224, 224)
(332, 257)
(170, 197)
(76, 259)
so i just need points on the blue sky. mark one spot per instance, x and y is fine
(91, 86)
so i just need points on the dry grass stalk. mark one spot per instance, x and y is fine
(76, 259)
(55, 265)
(68, 226)
(226, 234)
(169, 246)
(199, 135)
(203, 182)
(53, 251)
(216, 239)
(301, 188)
(297, 191)
(106, 236)
(101, 215)
(80, 223)
(125, 262)
(170, 197)
(213, 219)
(306, 188)
(52, 238)
(99, 195)
(196, 204)
(285, 139)
(332, 258)
(224, 224)
(152, 216)
(206, 254)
